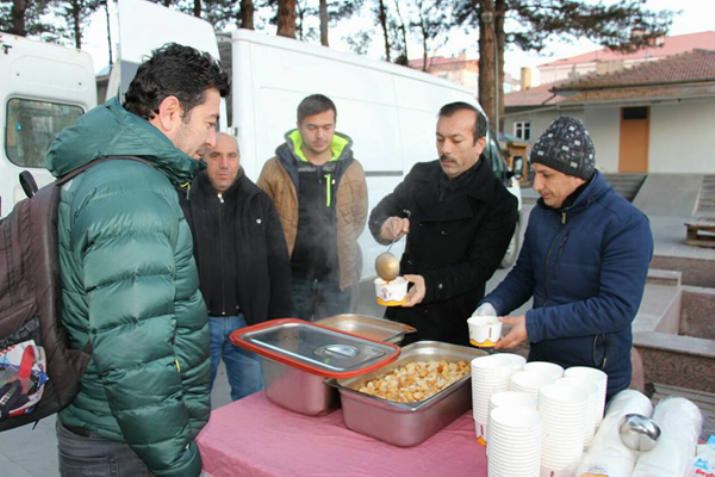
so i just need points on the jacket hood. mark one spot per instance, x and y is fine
(111, 130)
(340, 147)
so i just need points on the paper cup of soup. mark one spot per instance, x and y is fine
(484, 331)
(391, 293)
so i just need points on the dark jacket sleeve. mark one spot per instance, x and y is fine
(280, 304)
(518, 286)
(393, 204)
(627, 252)
(484, 257)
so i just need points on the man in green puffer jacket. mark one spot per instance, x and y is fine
(129, 280)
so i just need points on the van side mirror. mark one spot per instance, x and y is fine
(517, 166)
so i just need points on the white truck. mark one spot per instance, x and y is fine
(43, 88)
(388, 110)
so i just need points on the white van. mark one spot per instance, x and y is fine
(389, 111)
(43, 88)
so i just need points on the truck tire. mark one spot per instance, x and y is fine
(512, 251)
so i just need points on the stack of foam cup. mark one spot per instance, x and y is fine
(512, 400)
(562, 407)
(534, 375)
(514, 442)
(592, 407)
(607, 455)
(552, 370)
(600, 379)
(517, 361)
(490, 374)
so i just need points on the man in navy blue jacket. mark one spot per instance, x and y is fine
(584, 260)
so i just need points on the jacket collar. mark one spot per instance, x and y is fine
(239, 187)
(592, 192)
(340, 145)
(472, 182)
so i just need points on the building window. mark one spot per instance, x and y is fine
(522, 130)
(31, 126)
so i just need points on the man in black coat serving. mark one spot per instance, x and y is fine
(458, 218)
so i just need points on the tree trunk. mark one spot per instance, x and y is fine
(487, 80)
(323, 13)
(77, 22)
(17, 13)
(500, 12)
(109, 32)
(423, 30)
(403, 32)
(286, 18)
(247, 10)
(197, 8)
(385, 32)
(167, 3)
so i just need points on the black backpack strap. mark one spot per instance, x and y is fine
(75, 172)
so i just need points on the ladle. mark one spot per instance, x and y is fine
(387, 266)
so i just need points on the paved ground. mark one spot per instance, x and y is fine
(28, 452)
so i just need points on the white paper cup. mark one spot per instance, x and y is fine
(391, 293)
(484, 331)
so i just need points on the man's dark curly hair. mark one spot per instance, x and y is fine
(174, 70)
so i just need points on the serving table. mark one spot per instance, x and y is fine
(254, 437)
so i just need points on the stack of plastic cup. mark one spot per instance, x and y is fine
(511, 399)
(562, 407)
(596, 376)
(592, 407)
(529, 381)
(490, 374)
(514, 442)
(552, 370)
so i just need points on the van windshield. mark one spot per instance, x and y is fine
(31, 126)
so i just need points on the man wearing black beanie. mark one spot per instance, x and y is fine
(584, 261)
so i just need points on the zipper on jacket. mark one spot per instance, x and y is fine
(327, 189)
(187, 189)
(223, 261)
(562, 247)
(546, 261)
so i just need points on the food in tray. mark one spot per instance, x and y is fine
(416, 380)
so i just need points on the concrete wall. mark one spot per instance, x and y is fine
(603, 124)
(682, 134)
(682, 137)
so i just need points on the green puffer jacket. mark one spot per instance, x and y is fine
(130, 289)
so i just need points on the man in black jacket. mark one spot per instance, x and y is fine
(458, 218)
(242, 257)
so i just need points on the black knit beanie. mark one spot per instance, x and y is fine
(566, 146)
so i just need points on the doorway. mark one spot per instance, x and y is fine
(633, 148)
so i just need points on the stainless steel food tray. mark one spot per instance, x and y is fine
(369, 327)
(407, 424)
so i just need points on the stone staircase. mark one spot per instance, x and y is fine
(706, 199)
(627, 185)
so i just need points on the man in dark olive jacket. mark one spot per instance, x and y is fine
(584, 260)
(129, 282)
(244, 271)
(458, 218)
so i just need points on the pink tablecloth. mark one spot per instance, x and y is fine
(254, 437)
